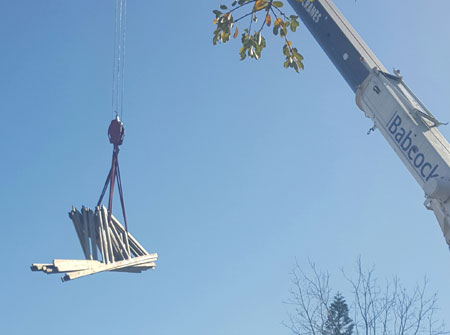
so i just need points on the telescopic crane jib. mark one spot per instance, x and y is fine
(403, 120)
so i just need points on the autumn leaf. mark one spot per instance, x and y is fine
(259, 5)
(253, 42)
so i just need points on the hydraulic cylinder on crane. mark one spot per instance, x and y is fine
(403, 120)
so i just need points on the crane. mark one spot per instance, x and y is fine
(404, 121)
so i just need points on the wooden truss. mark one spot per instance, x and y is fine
(106, 246)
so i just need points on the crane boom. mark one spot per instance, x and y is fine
(403, 120)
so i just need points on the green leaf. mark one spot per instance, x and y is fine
(225, 37)
(277, 4)
(294, 23)
(253, 43)
(275, 30)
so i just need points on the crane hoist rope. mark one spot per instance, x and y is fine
(119, 57)
(116, 130)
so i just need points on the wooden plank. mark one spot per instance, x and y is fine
(99, 232)
(127, 245)
(50, 270)
(108, 233)
(109, 267)
(79, 224)
(134, 246)
(82, 227)
(84, 217)
(77, 265)
(106, 258)
(134, 249)
(127, 242)
(67, 265)
(130, 237)
(107, 239)
(47, 268)
(92, 233)
(39, 266)
(137, 268)
(122, 248)
(116, 248)
(124, 235)
(72, 216)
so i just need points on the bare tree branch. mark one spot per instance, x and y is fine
(378, 309)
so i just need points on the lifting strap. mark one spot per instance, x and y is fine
(116, 133)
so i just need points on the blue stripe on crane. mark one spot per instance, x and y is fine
(345, 48)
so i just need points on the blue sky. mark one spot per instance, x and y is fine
(231, 170)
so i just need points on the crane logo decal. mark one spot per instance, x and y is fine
(312, 11)
(405, 143)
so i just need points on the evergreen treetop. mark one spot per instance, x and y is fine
(338, 322)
